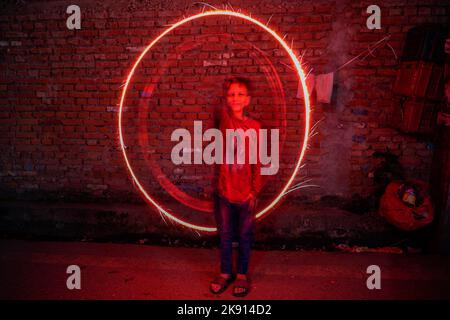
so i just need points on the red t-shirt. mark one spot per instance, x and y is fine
(237, 181)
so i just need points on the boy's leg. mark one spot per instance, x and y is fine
(246, 226)
(225, 230)
(235, 218)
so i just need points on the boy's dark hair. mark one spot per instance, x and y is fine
(242, 81)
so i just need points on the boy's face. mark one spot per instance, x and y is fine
(237, 97)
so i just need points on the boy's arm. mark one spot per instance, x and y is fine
(256, 169)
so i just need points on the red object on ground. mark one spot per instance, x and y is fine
(406, 218)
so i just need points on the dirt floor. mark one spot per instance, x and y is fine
(38, 270)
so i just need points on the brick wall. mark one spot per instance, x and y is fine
(60, 89)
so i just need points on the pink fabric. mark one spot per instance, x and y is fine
(324, 87)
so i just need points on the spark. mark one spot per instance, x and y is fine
(267, 23)
(300, 57)
(303, 182)
(313, 135)
(301, 187)
(162, 216)
(286, 65)
(317, 123)
(205, 5)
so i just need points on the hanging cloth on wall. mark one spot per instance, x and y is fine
(324, 87)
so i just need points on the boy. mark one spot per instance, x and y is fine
(238, 186)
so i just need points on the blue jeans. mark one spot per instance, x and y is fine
(234, 219)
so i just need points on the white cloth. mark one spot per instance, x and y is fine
(324, 87)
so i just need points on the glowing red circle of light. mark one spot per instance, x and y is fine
(301, 76)
(179, 195)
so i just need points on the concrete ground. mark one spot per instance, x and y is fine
(37, 270)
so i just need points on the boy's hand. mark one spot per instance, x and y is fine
(251, 201)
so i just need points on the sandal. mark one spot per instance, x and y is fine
(243, 285)
(222, 282)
